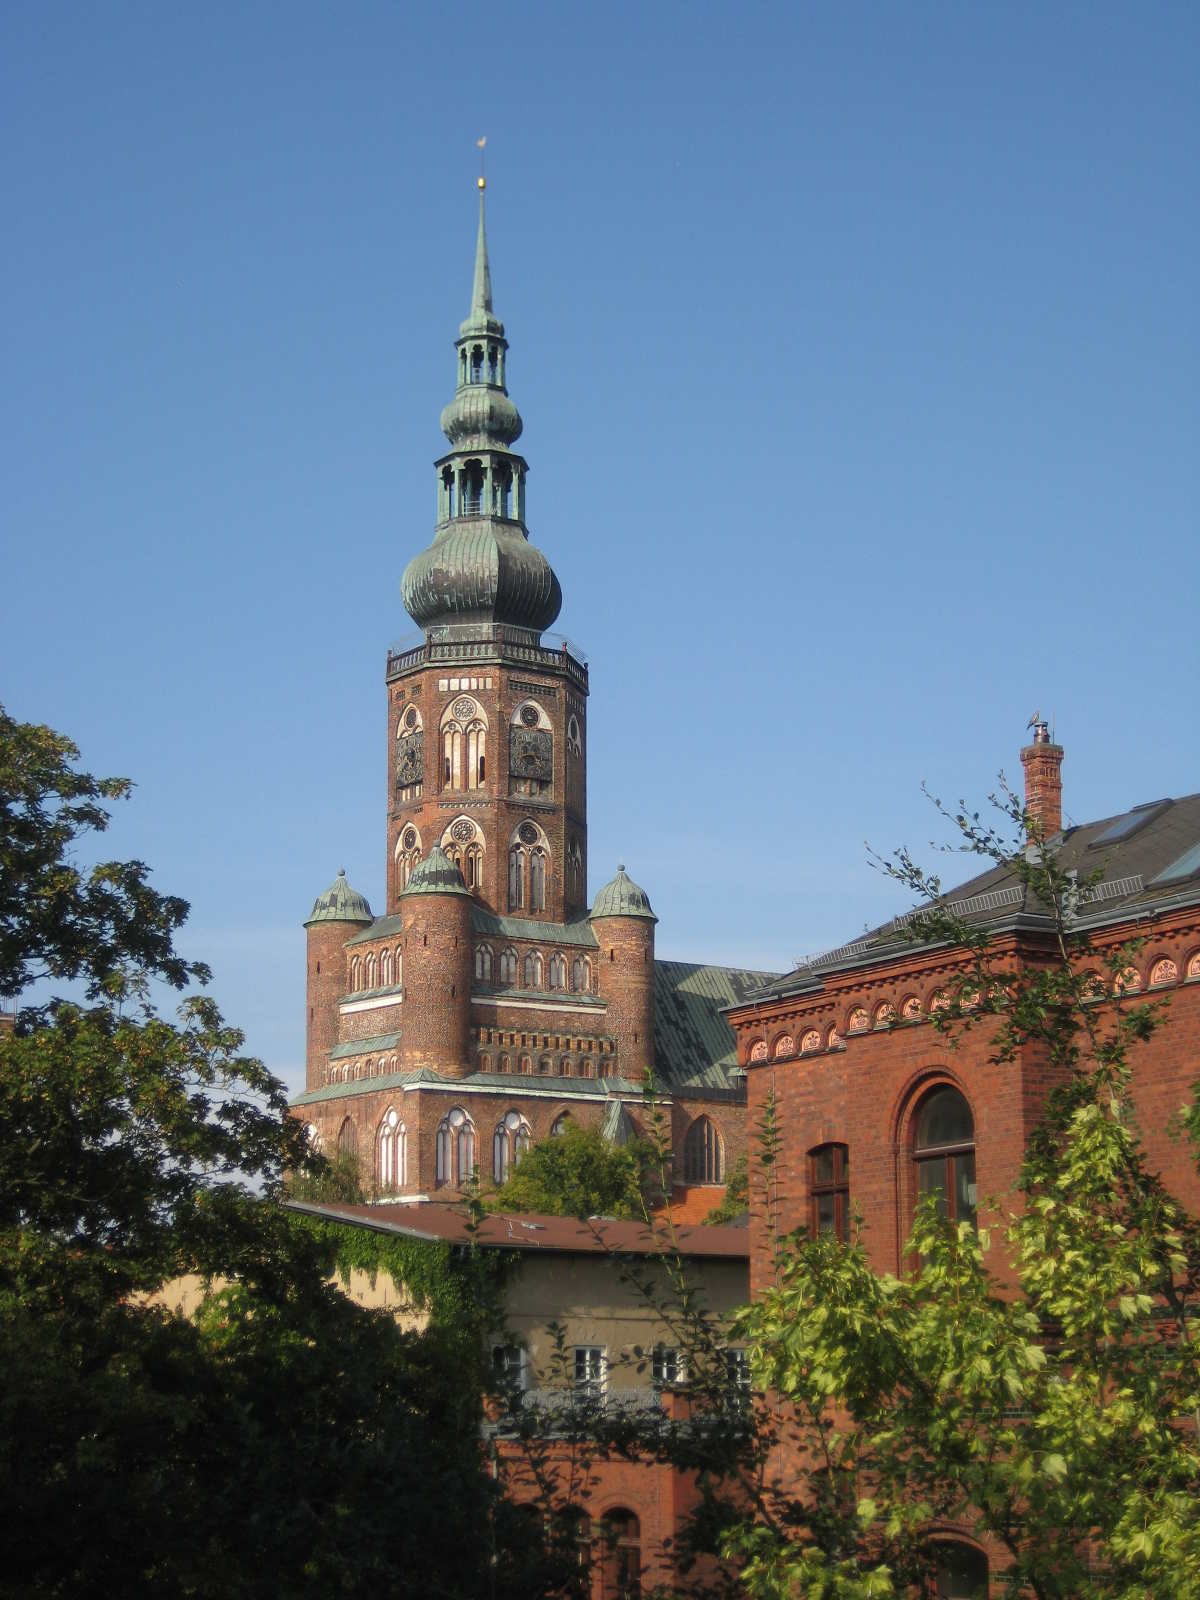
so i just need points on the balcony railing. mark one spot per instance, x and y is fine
(488, 641)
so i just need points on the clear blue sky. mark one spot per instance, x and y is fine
(857, 347)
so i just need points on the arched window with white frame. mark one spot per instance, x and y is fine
(385, 969)
(558, 970)
(703, 1153)
(454, 1149)
(393, 1152)
(533, 970)
(483, 963)
(464, 732)
(510, 1141)
(355, 974)
(581, 975)
(508, 965)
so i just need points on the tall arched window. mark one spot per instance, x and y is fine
(944, 1153)
(533, 970)
(408, 853)
(455, 1148)
(581, 975)
(829, 1190)
(960, 1571)
(385, 969)
(560, 1124)
(355, 974)
(620, 1555)
(370, 973)
(464, 744)
(463, 843)
(528, 868)
(703, 1153)
(508, 966)
(510, 1141)
(393, 1152)
(347, 1140)
(483, 963)
(399, 965)
(558, 971)
(410, 754)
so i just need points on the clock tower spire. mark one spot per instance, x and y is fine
(487, 718)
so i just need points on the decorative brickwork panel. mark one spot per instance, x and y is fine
(1164, 971)
(531, 754)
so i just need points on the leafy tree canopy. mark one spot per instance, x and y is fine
(240, 1451)
(580, 1174)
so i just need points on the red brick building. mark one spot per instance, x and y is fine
(488, 1005)
(873, 1105)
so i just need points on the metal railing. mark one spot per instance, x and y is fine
(488, 641)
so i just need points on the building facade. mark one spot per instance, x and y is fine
(489, 1006)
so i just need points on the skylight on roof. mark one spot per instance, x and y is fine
(1129, 824)
(1187, 866)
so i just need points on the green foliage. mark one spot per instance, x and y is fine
(737, 1195)
(241, 1451)
(1049, 1398)
(579, 1174)
(331, 1180)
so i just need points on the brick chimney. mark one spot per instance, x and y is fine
(1042, 761)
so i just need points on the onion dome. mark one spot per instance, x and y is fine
(340, 903)
(437, 874)
(622, 898)
(478, 417)
(477, 570)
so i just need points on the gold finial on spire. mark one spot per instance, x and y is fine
(480, 143)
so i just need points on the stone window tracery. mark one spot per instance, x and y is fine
(455, 1148)
(533, 970)
(393, 1152)
(408, 854)
(463, 843)
(464, 744)
(483, 963)
(528, 868)
(508, 965)
(574, 739)
(558, 971)
(510, 1141)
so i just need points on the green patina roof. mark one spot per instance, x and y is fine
(385, 1080)
(437, 874)
(578, 932)
(621, 897)
(340, 903)
(481, 570)
(694, 1045)
(363, 1047)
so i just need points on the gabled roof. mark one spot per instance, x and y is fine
(1149, 857)
(694, 1046)
(578, 931)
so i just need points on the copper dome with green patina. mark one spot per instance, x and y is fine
(621, 897)
(437, 874)
(340, 903)
(481, 566)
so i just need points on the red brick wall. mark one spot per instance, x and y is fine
(625, 981)
(437, 983)
(326, 981)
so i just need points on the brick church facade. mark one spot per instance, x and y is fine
(488, 1006)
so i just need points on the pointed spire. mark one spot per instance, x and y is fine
(481, 318)
(481, 294)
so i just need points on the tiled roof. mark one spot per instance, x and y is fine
(693, 1044)
(1136, 851)
(385, 1080)
(435, 1220)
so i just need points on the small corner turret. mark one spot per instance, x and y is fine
(336, 916)
(623, 923)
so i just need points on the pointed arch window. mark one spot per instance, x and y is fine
(560, 1124)
(455, 1148)
(581, 975)
(510, 1141)
(347, 1139)
(385, 969)
(558, 971)
(508, 965)
(944, 1153)
(533, 970)
(463, 844)
(355, 974)
(537, 879)
(393, 1152)
(483, 963)
(704, 1153)
(408, 854)
(620, 1555)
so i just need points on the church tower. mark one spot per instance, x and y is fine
(487, 719)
